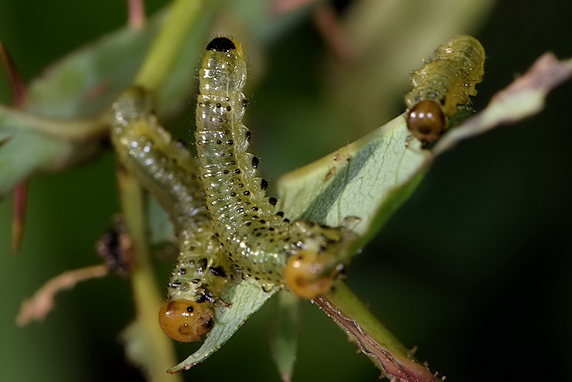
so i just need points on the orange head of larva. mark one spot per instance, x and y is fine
(303, 274)
(426, 121)
(185, 320)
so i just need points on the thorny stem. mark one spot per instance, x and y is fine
(167, 46)
(374, 339)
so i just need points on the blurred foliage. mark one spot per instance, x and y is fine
(474, 269)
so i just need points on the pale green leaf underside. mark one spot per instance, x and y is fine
(246, 297)
(379, 162)
(355, 180)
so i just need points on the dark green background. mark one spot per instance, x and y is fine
(475, 269)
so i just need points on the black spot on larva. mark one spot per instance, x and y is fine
(228, 108)
(262, 221)
(190, 309)
(201, 265)
(202, 298)
(254, 162)
(271, 229)
(264, 184)
(218, 142)
(237, 171)
(286, 220)
(248, 135)
(182, 271)
(233, 194)
(273, 201)
(232, 162)
(244, 102)
(255, 208)
(225, 172)
(218, 105)
(175, 284)
(229, 142)
(247, 223)
(240, 210)
(218, 271)
(258, 234)
(221, 44)
(246, 192)
(280, 213)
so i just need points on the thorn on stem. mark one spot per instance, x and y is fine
(19, 215)
(136, 13)
(333, 33)
(18, 87)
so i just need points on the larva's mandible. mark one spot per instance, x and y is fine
(260, 241)
(167, 170)
(444, 84)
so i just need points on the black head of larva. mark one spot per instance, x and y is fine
(221, 44)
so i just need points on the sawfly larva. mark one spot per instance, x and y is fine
(167, 170)
(261, 242)
(442, 85)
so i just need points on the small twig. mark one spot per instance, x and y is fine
(41, 303)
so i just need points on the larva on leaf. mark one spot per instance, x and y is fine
(168, 171)
(443, 85)
(259, 240)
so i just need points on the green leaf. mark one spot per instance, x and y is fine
(283, 333)
(355, 180)
(246, 297)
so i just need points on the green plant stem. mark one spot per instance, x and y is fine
(146, 343)
(167, 46)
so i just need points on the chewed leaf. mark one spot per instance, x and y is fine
(355, 180)
(245, 296)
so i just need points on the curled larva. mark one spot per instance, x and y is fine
(167, 171)
(259, 240)
(442, 85)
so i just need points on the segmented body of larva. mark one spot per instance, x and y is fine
(167, 171)
(260, 241)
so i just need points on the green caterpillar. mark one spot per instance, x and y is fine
(261, 242)
(167, 171)
(442, 85)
